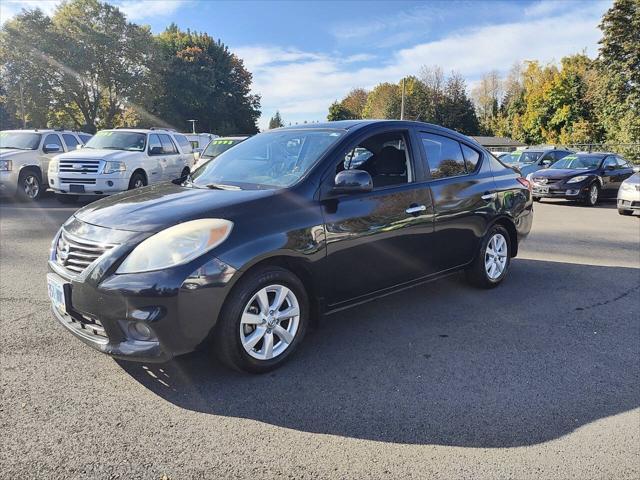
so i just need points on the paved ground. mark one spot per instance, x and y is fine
(537, 379)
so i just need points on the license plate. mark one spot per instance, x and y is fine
(76, 188)
(540, 189)
(56, 292)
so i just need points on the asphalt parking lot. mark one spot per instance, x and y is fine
(539, 378)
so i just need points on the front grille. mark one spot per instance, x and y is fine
(75, 254)
(79, 166)
(82, 181)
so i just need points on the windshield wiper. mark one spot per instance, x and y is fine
(222, 186)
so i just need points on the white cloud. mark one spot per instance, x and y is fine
(304, 87)
(11, 8)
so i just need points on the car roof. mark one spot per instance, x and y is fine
(236, 137)
(594, 154)
(43, 130)
(352, 125)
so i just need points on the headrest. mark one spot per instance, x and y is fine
(390, 161)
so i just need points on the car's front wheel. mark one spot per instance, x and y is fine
(263, 320)
(592, 195)
(30, 185)
(492, 263)
(137, 181)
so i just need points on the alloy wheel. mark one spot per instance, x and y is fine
(495, 256)
(139, 183)
(31, 186)
(593, 194)
(269, 322)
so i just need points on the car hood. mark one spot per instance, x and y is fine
(6, 153)
(559, 173)
(154, 208)
(635, 178)
(98, 154)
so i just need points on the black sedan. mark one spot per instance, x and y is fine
(279, 229)
(585, 177)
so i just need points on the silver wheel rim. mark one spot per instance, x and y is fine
(269, 322)
(138, 183)
(31, 186)
(495, 256)
(593, 194)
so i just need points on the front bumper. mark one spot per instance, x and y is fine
(569, 191)
(179, 306)
(629, 199)
(97, 184)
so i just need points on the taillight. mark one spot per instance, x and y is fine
(525, 182)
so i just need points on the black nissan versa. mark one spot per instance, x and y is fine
(585, 177)
(283, 227)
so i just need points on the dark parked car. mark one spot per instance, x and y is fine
(531, 160)
(584, 177)
(252, 248)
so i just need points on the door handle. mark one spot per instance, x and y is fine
(489, 196)
(415, 209)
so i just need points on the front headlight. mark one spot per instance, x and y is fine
(114, 167)
(53, 166)
(577, 179)
(5, 165)
(177, 245)
(627, 186)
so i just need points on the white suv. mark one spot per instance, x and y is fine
(25, 157)
(118, 160)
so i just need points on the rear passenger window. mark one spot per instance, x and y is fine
(444, 156)
(167, 144)
(185, 144)
(70, 140)
(471, 158)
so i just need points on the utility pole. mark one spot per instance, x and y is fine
(193, 125)
(24, 118)
(402, 102)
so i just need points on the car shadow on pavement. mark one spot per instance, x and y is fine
(551, 350)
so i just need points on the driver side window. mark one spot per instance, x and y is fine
(610, 161)
(384, 156)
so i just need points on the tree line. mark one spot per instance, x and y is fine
(580, 100)
(86, 67)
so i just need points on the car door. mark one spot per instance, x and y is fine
(610, 182)
(464, 197)
(624, 170)
(377, 239)
(156, 161)
(48, 152)
(172, 158)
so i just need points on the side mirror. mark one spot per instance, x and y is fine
(52, 148)
(352, 181)
(155, 151)
(636, 169)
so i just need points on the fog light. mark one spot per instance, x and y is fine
(140, 331)
(51, 181)
(110, 183)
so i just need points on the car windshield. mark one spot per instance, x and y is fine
(523, 157)
(111, 140)
(20, 140)
(578, 162)
(218, 146)
(270, 159)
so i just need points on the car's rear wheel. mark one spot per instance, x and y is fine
(263, 320)
(592, 195)
(137, 181)
(492, 263)
(66, 199)
(621, 211)
(30, 185)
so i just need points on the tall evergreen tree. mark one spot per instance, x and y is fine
(276, 121)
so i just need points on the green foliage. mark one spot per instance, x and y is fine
(276, 121)
(199, 78)
(337, 111)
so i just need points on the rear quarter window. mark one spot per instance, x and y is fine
(185, 144)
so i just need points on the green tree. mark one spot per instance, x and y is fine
(337, 111)
(87, 63)
(355, 101)
(458, 111)
(380, 101)
(276, 121)
(200, 78)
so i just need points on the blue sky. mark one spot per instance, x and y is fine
(305, 54)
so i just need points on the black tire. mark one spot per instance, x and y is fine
(625, 212)
(137, 180)
(30, 187)
(589, 200)
(226, 340)
(536, 199)
(477, 273)
(66, 199)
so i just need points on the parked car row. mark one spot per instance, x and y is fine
(75, 163)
